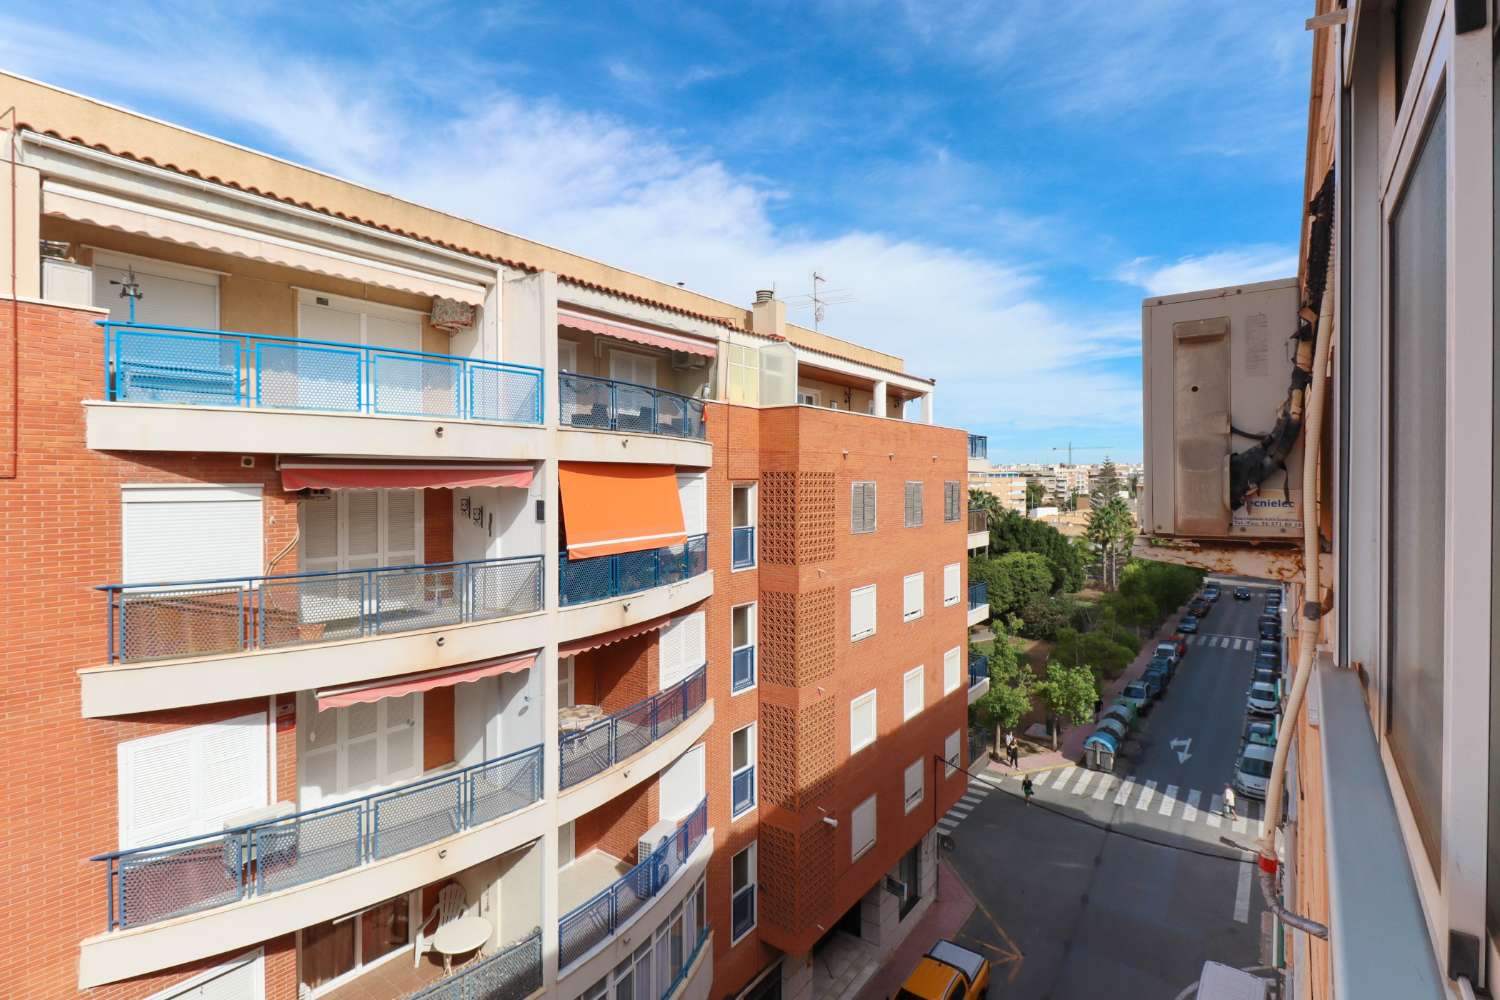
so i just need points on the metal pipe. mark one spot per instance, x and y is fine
(1308, 628)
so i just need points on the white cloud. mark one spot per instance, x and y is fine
(1004, 351)
(1237, 266)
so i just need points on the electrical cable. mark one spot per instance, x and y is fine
(1247, 858)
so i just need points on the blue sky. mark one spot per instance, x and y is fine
(994, 186)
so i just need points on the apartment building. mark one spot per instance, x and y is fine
(1391, 840)
(397, 607)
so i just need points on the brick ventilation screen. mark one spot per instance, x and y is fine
(778, 755)
(797, 517)
(776, 859)
(797, 633)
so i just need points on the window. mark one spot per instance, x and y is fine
(861, 722)
(742, 629)
(682, 648)
(913, 595)
(950, 754)
(358, 749)
(566, 845)
(913, 504)
(742, 877)
(628, 366)
(916, 780)
(742, 526)
(744, 373)
(862, 829)
(861, 613)
(862, 507)
(809, 397)
(952, 670)
(565, 673)
(341, 949)
(952, 584)
(692, 491)
(171, 294)
(359, 529)
(911, 692)
(682, 785)
(742, 770)
(952, 501)
(189, 781)
(242, 978)
(1418, 444)
(183, 533)
(567, 356)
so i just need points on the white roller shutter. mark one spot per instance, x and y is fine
(682, 649)
(185, 533)
(692, 491)
(916, 774)
(861, 612)
(950, 754)
(682, 784)
(862, 722)
(952, 580)
(911, 692)
(862, 828)
(183, 297)
(952, 670)
(191, 780)
(913, 596)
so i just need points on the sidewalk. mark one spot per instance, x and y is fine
(943, 919)
(1070, 750)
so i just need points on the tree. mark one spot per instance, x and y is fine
(1111, 530)
(1011, 693)
(1069, 693)
(1010, 532)
(1105, 484)
(1013, 580)
(984, 500)
(1035, 494)
(1135, 484)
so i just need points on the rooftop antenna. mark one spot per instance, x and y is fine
(820, 299)
(129, 289)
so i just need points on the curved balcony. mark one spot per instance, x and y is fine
(181, 388)
(624, 422)
(216, 640)
(624, 734)
(609, 592)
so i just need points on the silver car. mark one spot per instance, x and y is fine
(1253, 770)
(1262, 699)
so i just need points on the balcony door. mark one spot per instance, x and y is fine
(328, 379)
(354, 530)
(336, 951)
(344, 753)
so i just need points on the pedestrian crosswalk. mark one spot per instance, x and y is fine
(976, 794)
(1142, 796)
(1218, 641)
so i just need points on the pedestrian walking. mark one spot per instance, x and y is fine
(1013, 751)
(1098, 706)
(1027, 789)
(1229, 801)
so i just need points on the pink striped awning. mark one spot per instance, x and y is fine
(635, 334)
(400, 475)
(428, 680)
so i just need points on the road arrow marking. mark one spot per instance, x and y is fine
(1182, 745)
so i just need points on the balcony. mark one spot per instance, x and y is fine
(979, 676)
(624, 734)
(252, 393)
(979, 603)
(584, 581)
(512, 973)
(979, 446)
(589, 924)
(147, 885)
(589, 402)
(742, 547)
(742, 669)
(979, 529)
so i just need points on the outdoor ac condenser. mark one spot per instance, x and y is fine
(652, 839)
(1217, 368)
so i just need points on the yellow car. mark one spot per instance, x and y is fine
(947, 972)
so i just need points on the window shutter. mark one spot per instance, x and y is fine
(912, 596)
(862, 721)
(402, 758)
(692, 492)
(156, 789)
(911, 692)
(231, 758)
(402, 521)
(184, 533)
(917, 492)
(362, 529)
(950, 754)
(869, 505)
(319, 546)
(951, 581)
(861, 612)
(952, 670)
(862, 827)
(682, 785)
(916, 773)
(682, 648)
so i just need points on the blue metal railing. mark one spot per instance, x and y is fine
(607, 404)
(177, 364)
(742, 547)
(979, 446)
(510, 974)
(979, 595)
(742, 669)
(160, 881)
(152, 621)
(742, 912)
(742, 791)
(612, 739)
(979, 669)
(580, 581)
(587, 925)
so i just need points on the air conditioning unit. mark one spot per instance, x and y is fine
(683, 361)
(652, 839)
(1218, 367)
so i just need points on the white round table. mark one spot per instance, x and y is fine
(463, 935)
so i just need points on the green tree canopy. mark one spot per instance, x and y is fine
(1014, 580)
(1011, 693)
(1010, 532)
(1035, 493)
(983, 500)
(1069, 692)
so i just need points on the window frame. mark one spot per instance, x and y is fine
(918, 674)
(752, 615)
(908, 612)
(952, 501)
(857, 851)
(874, 612)
(871, 698)
(752, 755)
(856, 517)
(956, 569)
(956, 654)
(913, 490)
(752, 884)
(919, 767)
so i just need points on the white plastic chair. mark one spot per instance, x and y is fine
(450, 906)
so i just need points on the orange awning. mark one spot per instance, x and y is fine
(614, 507)
(400, 475)
(396, 687)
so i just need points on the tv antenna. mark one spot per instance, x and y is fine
(821, 299)
(129, 289)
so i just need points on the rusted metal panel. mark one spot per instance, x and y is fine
(1265, 562)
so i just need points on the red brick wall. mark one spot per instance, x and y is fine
(617, 825)
(616, 676)
(437, 727)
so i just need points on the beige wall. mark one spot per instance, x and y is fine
(854, 400)
(688, 383)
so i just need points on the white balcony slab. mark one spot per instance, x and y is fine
(589, 795)
(979, 614)
(581, 620)
(582, 445)
(977, 691)
(978, 539)
(111, 957)
(124, 689)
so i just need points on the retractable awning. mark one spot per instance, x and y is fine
(635, 334)
(400, 475)
(610, 638)
(614, 507)
(397, 687)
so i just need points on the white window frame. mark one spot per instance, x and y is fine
(870, 807)
(753, 630)
(918, 768)
(567, 835)
(854, 634)
(692, 659)
(364, 308)
(133, 495)
(752, 755)
(567, 356)
(952, 749)
(636, 358)
(117, 261)
(809, 397)
(857, 704)
(752, 506)
(694, 485)
(953, 670)
(911, 612)
(952, 573)
(752, 885)
(913, 692)
(691, 766)
(255, 956)
(566, 677)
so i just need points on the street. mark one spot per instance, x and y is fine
(1067, 909)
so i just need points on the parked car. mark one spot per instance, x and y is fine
(947, 972)
(1198, 606)
(1211, 593)
(1261, 699)
(1253, 770)
(1260, 734)
(1270, 628)
(1264, 675)
(1180, 641)
(1242, 593)
(1155, 681)
(1269, 661)
(1166, 663)
(1168, 649)
(1139, 695)
(1269, 646)
(1188, 625)
(1273, 598)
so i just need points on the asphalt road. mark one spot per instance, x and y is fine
(1068, 909)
